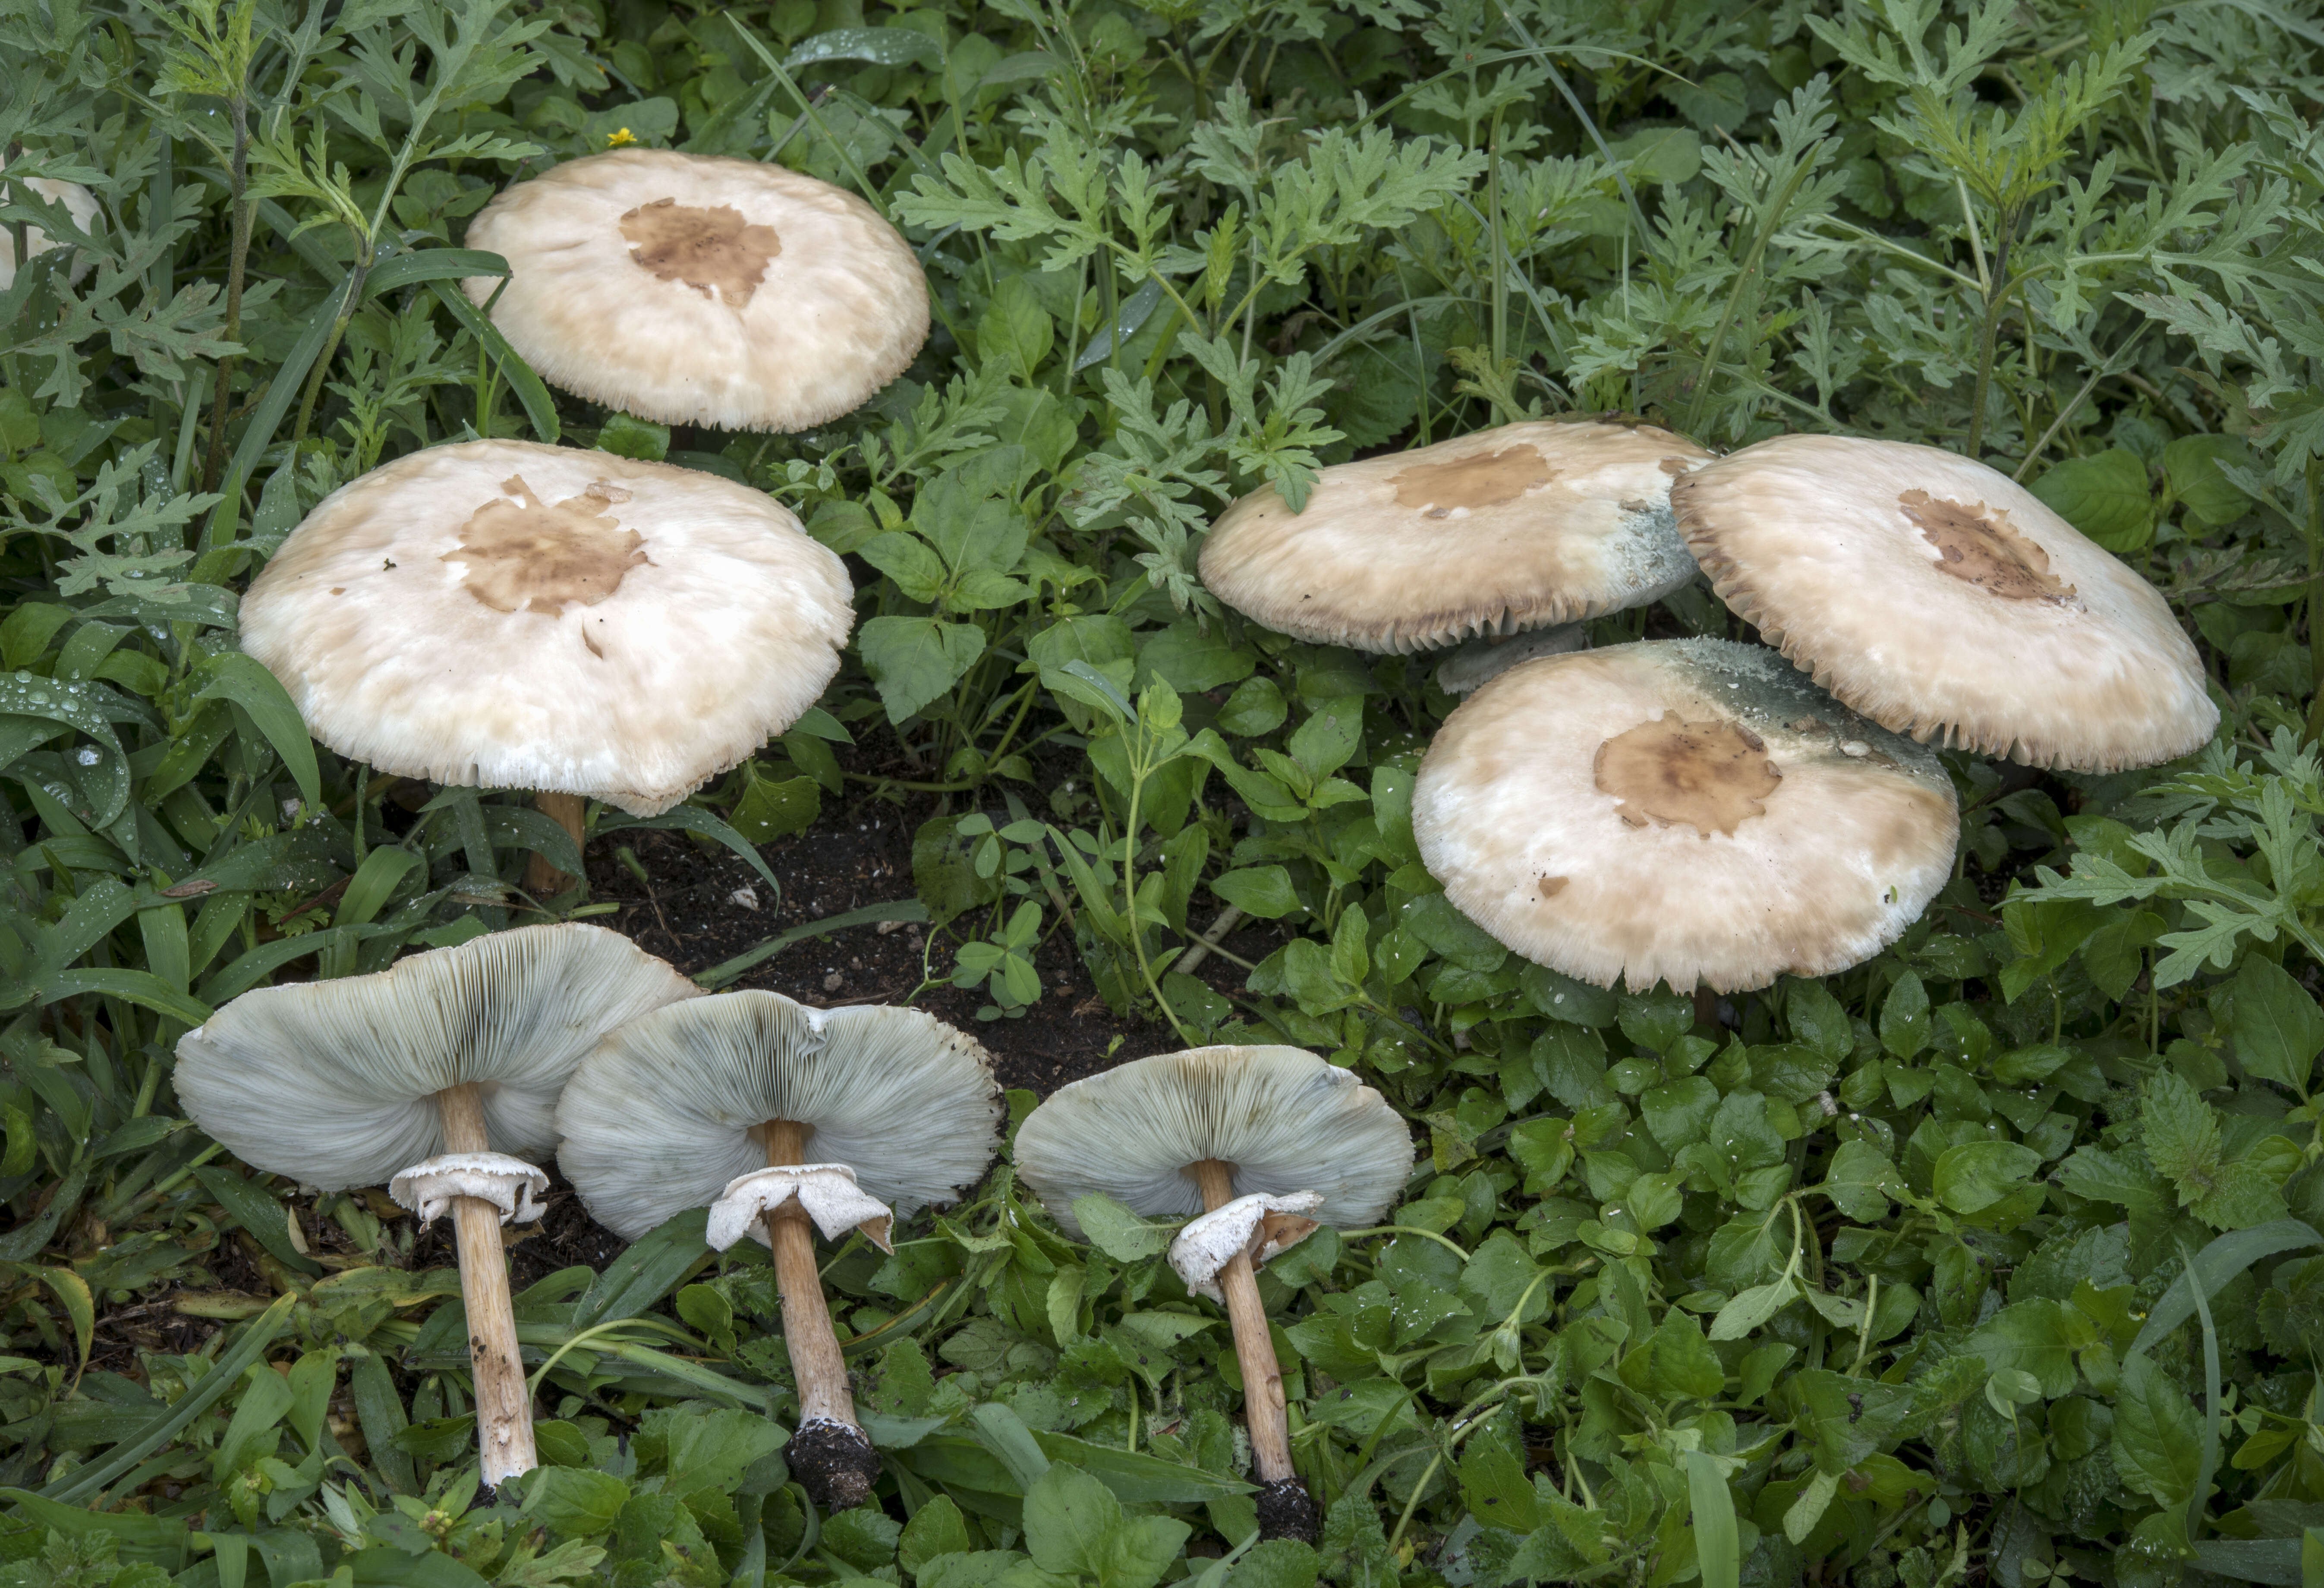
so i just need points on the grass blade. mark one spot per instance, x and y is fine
(1717, 1546)
(77, 1486)
(2215, 1265)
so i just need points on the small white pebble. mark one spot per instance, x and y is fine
(745, 897)
(291, 809)
(887, 927)
(1855, 747)
(833, 981)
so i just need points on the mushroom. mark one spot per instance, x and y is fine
(1945, 601)
(452, 1059)
(1267, 1143)
(1683, 811)
(520, 616)
(79, 203)
(695, 290)
(1521, 527)
(779, 1116)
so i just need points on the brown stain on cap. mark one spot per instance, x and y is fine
(526, 556)
(703, 248)
(1482, 479)
(1713, 776)
(1977, 545)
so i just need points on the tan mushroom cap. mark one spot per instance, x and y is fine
(691, 288)
(518, 616)
(1546, 521)
(1943, 600)
(1681, 811)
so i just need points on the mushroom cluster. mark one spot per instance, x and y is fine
(1699, 812)
(441, 1076)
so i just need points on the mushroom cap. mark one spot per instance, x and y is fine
(520, 616)
(1284, 1119)
(662, 1116)
(1681, 811)
(1546, 521)
(1943, 600)
(692, 289)
(330, 1083)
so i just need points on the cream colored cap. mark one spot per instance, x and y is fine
(1943, 600)
(78, 202)
(518, 616)
(334, 1082)
(690, 289)
(1283, 1119)
(1681, 811)
(664, 1114)
(1542, 522)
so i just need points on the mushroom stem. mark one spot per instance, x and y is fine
(829, 1454)
(568, 811)
(1262, 1376)
(504, 1403)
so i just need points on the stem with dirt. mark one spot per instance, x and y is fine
(503, 1402)
(1286, 1509)
(829, 1454)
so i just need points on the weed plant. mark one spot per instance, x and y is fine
(1994, 1260)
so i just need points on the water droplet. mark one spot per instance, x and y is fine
(87, 755)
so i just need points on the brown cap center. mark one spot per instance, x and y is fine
(1977, 545)
(703, 248)
(1482, 479)
(524, 556)
(1712, 775)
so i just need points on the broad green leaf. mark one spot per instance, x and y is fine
(1264, 891)
(2157, 1439)
(2279, 1030)
(914, 661)
(1975, 1175)
(2104, 495)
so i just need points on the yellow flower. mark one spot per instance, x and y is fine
(615, 140)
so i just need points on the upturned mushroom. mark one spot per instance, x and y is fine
(518, 616)
(691, 288)
(781, 1116)
(1522, 526)
(437, 1076)
(1266, 1144)
(1683, 811)
(1945, 601)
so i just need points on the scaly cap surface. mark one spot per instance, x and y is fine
(1689, 810)
(692, 289)
(518, 616)
(1945, 601)
(1529, 524)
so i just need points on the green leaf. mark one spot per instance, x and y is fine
(2190, 467)
(2181, 1133)
(1904, 1018)
(2157, 1440)
(771, 809)
(1121, 1234)
(914, 661)
(693, 819)
(231, 676)
(1975, 1175)
(1747, 1309)
(1718, 1550)
(575, 1502)
(1859, 1181)
(1818, 1020)
(1264, 891)
(2037, 1337)
(82, 1482)
(2278, 1028)
(880, 46)
(2214, 1266)
(1070, 1520)
(2105, 497)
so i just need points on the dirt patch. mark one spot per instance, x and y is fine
(701, 907)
